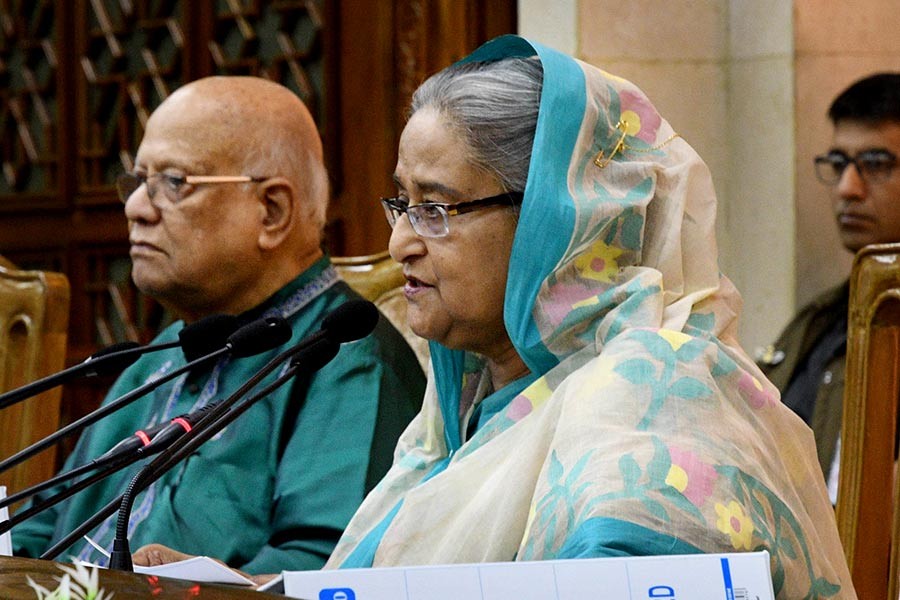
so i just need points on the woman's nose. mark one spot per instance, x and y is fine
(404, 243)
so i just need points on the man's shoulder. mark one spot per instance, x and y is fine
(802, 333)
(830, 303)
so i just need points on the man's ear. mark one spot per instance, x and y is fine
(279, 204)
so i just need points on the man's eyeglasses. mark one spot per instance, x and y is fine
(431, 219)
(172, 186)
(874, 166)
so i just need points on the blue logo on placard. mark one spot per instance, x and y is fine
(661, 591)
(337, 594)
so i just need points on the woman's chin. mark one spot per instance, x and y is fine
(423, 332)
(430, 332)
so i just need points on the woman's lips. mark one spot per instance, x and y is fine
(414, 287)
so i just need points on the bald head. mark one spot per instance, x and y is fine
(257, 127)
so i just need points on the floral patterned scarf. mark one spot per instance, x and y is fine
(644, 429)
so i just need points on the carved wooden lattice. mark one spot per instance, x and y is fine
(135, 54)
(28, 107)
(132, 56)
(281, 41)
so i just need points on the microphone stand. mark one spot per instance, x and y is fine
(220, 409)
(320, 352)
(70, 491)
(157, 439)
(101, 412)
(94, 365)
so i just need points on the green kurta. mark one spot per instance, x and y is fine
(276, 488)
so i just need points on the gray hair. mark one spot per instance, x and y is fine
(494, 106)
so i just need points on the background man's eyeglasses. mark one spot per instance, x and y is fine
(432, 219)
(172, 186)
(874, 166)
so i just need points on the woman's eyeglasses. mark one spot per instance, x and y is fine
(172, 187)
(431, 219)
(874, 166)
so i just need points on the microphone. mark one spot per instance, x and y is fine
(147, 442)
(206, 335)
(195, 339)
(111, 359)
(352, 320)
(143, 443)
(363, 316)
(254, 338)
(258, 336)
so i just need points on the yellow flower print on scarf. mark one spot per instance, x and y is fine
(736, 524)
(676, 339)
(599, 263)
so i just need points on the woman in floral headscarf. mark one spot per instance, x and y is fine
(588, 396)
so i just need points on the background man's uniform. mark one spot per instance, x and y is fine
(807, 363)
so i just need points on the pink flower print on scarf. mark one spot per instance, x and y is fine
(753, 392)
(690, 476)
(641, 118)
(565, 298)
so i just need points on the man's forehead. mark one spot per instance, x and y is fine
(158, 154)
(193, 137)
(857, 136)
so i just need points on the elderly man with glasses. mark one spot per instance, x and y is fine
(226, 208)
(863, 179)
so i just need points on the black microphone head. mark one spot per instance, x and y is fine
(259, 336)
(115, 359)
(206, 335)
(351, 321)
(317, 355)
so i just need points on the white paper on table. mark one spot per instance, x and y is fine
(6, 538)
(276, 586)
(202, 569)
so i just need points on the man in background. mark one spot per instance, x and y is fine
(226, 208)
(861, 173)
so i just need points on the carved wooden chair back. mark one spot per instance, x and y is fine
(34, 317)
(868, 493)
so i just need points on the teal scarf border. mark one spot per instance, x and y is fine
(553, 139)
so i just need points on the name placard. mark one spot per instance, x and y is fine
(6, 538)
(738, 576)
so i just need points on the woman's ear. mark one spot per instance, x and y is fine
(279, 204)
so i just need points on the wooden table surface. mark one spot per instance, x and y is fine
(14, 573)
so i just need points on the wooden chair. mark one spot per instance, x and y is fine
(379, 279)
(869, 490)
(34, 317)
